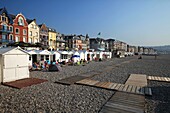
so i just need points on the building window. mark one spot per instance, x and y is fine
(16, 38)
(4, 27)
(21, 21)
(47, 57)
(42, 57)
(24, 39)
(29, 57)
(32, 26)
(36, 34)
(63, 56)
(11, 28)
(10, 37)
(30, 33)
(30, 40)
(17, 31)
(4, 37)
(25, 32)
(4, 18)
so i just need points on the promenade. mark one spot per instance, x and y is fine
(54, 97)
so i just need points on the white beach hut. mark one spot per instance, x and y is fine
(84, 54)
(63, 56)
(13, 64)
(76, 56)
(55, 55)
(31, 52)
(42, 55)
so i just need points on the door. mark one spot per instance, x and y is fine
(34, 58)
(18, 69)
(54, 58)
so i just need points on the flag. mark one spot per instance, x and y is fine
(99, 33)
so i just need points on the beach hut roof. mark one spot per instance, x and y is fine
(63, 52)
(43, 52)
(31, 52)
(76, 53)
(54, 52)
(70, 52)
(5, 50)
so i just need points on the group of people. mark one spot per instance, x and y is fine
(43, 65)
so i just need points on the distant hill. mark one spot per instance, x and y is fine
(162, 49)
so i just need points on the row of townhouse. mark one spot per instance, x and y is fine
(17, 28)
(118, 47)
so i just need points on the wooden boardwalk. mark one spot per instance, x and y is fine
(70, 80)
(126, 102)
(163, 79)
(135, 84)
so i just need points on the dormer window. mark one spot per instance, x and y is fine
(4, 18)
(21, 21)
(32, 26)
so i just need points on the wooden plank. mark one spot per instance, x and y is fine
(138, 90)
(166, 79)
(114, 85)
(86, 81)
(121, 87)
(102, 85)
(162, 78)
(93, 82)
(129, 103)
(81, 81)
(111, 84)
(159, 78)
(107, 85)
(117, 87)
(126, 108)
(107, 109)
(133, 89)
(137, 80)
(129, 88)
(125, 88)
(149, 77)
(70, 80)
(152, 77)
(99, 84)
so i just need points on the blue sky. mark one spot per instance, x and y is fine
(137, 22)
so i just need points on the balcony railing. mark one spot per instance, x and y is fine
(5, 31)
(4, 41)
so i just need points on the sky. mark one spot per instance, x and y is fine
(136, 22)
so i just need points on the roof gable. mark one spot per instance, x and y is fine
(3, 10)
(9, 50)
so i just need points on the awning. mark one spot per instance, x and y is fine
(74, 56)
(101, 49)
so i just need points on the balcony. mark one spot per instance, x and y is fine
(4, 41)
(4, 30)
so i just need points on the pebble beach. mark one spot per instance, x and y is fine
(50, 97)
